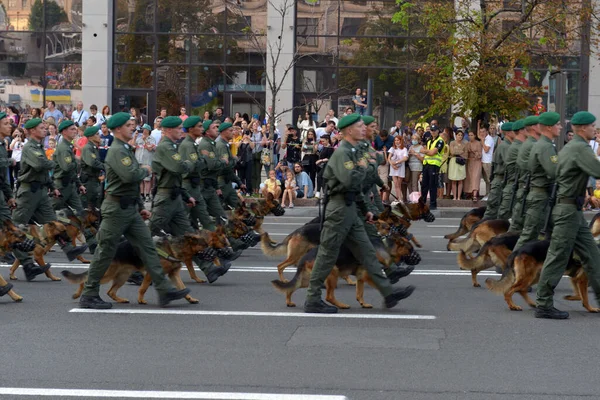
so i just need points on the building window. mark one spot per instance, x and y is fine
(12, 4)
(24, 4)
(351, 26)
(306, 31)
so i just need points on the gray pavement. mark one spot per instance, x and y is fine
(447, 341)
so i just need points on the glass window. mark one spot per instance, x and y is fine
(208, 49)
(247, 16)
(368, 51)
(175, 16)
(172, 88)
(243, 51)
(245, 79)
(136, 48)
(35, 21)
(59, 17)
(206, 89)
(133, 76)
(173, 49)
(134, 16)
(21, 46)
(306, 31)
(352, 26)
(63, 85)
(316, 80)
(21, 83)
(62, 46)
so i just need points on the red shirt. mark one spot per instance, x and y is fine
(80, 144)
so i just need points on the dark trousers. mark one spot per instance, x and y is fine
(245, 175)
(430, 183)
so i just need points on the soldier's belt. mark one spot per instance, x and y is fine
(31, 186)
(566, 200)
(194, 181)
(124, 201)
(535, 189)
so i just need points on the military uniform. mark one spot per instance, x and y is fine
(517, 219)
(344, 177)
(498, 182)
(505, 211)
(209, 174)
(576, 163)
(188, 149)
(91, 170)
(65, 175)
(227, 174)
(121, 216)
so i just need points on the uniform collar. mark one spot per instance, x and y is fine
(168, 140)
(580, 139)
(122, 143)
(220, 139)
(546, 139)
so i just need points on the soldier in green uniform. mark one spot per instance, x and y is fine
(91, 169)
(371, 126)
(498, 183)
(542, 164)
(123, 213)
(510, 161)
(531, 128)
(227, 174)
(576, 163)
(168, 208)
(188, 149)
(344, 175)
(32, 195)
(7, 201)
(66, 179)
(212, 169)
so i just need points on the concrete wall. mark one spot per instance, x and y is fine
(97, 50)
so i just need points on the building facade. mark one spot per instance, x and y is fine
(203, 54)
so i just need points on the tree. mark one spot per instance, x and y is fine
(482, 52)
(54, 15)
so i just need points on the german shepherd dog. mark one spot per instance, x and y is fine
(398, 223)
(298, 243)
(216, 240)
(345, 265)
(494, 253)
(51, 231)
(258, 210)
(467, 222)
(479, 234)
(523, 269)
(416, 211)
(127, 260)
(9, 237)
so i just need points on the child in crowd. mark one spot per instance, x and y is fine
(271, 185)
(290, 190)
(51, 148)
(593, 201)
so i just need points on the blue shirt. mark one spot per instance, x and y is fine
(105, 142)
(57, 115)
(388, 143)
(304, 180)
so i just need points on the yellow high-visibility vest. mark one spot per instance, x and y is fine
(437, 159)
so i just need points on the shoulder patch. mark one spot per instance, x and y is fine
(126, 161)
(193, 156)
(68, 159)
(349, 165)
(93, 155)
(176, 157)
(554, 159)
(37, 153)
(211, 154)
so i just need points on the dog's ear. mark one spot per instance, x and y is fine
(422, 200)
(270, 196)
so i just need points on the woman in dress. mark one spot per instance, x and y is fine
(144, 152)
(305, 124)
(474, 151)
(415, 162)
(309, 161)
(457, 171)
(398, 155)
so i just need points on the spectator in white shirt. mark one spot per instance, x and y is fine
(487, 154)
(79, 115)
(99, 117)
(331, 115)
(157, 132)
(396, 129)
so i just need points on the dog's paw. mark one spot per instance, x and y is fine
(516, 308)
(593, 310)
(142, 301)
(198, 280)
(192, 300)
(55, 278)
(476, 284)
(366, 305)
(13, 278)
(291, 304)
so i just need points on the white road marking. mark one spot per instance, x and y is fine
(436, 237)
(148, 394)
(441, 226)
(249, 314)
(444, 251)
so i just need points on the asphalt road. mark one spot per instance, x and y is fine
(448, 341)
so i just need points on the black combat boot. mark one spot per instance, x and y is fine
(319, 307)
(395, 273)
(71, 252)
(550, 313)
(31, 270)
(172, 295)
(5, 289)
(398, 294)
(214, 272)
(94, 302)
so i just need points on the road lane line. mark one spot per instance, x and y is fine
(150, 394)
(441, 226)
(249, 314)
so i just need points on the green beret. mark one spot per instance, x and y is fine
(549, 118)
(171, 122)
(518, 125)
(206, 124)
(583, 118)
(507, 127)
(2, 115)
(367, 119)
(191, 122)
(65, 124)
(348, 120)
(532, 120)
(32, 123)
(225, 126)
(118, 120)
(91, 131)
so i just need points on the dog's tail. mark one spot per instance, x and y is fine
(508, 277)
(473, 263)
(74, 278)
(295, 283)
(273, 250)
(461, 244)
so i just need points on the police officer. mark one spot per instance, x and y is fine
(532, 134)
(66, 179)
(123, 213)
(91, 168)
(32, 195)
(431, 166)
(212, 169)
(7, 201)
(542, 164)
(576, 163)
(344, 174)
(511, 171)
(188, 149)
(168, 212)
(498, 183)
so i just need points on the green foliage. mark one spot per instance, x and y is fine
(54, 15)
